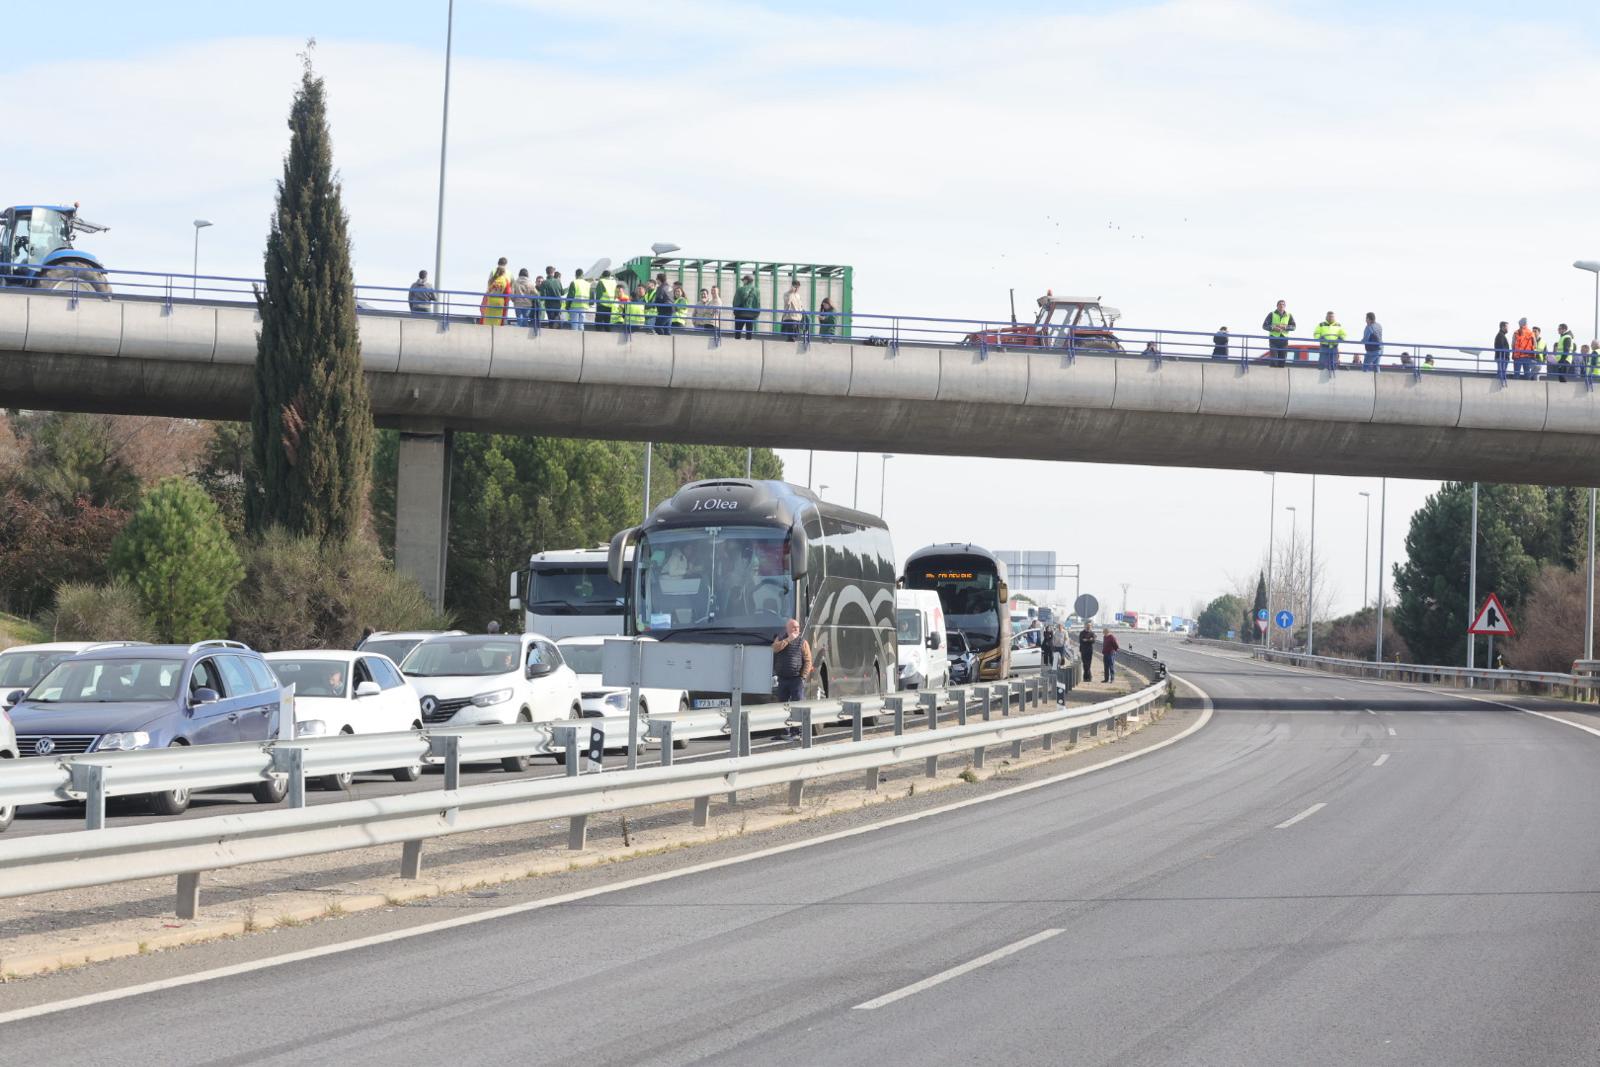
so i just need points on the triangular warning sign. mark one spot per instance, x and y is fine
(1492, 619)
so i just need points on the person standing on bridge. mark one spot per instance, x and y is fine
(605, 299)
(1328, 335)
(522, 294)
(1108, 656)
(1522, 350)
(1219, 343)
(1540, 353)
(421, 295)
(578, 300)
(793, 311)
(1086, 649)
(492, 310)
(1502, 351)
(553, 292)
(1372, 338)
(1564, 346)
(1279, 324)
(746, 301)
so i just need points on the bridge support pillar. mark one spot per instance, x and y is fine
(422, 509)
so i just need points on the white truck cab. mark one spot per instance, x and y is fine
(919, 625)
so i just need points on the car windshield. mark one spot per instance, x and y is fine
(462, 657)
(109, 681)
(714, 578)
(19, 670)
(585, 659)
(395, 648)
(573, 589)
(957, 643)
(908, 623)
(971, 597)
(313, 677)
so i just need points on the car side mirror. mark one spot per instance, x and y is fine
(204, 695)
(367, 689)
(933, 641)
(13, 698)
(539, 670)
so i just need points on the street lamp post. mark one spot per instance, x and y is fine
(444, 143)
(194, 289)
(1366, 546)
(1472, 582)
(1593, 267)
(1272, 519)
(883, 482)
(1383, 512)
(1294, 550)
(855, 494)
(1311, 578)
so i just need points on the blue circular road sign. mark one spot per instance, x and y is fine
(1285, 619)
(1261, 613)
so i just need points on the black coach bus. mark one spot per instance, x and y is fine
(731, 560)
(971, 584)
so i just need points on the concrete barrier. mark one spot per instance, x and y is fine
(895, 374)
(697, 364)
(1334, 396)
(432, 346)
(1571, 407)
(639, 359)
(13, 321)
(1087, 382)
(1258, 391)
(516, 352)
(91, 328)
(1490, 404)
(237, 333)
(380, 344)
(966, 375)
(159, 331)
(1429, 399)
(1145, 385)
(820, 370)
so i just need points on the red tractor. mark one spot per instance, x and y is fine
(1081, 322)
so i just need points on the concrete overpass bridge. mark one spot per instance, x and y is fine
(430, 376)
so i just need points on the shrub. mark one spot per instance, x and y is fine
(41, 547)
(1550, 630)
(299, 592)
(88, 612)
(177, 554)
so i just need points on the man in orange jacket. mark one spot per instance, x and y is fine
(1522, 351)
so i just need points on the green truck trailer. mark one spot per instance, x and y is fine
(817, 281)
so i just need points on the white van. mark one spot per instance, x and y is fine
(919, 620)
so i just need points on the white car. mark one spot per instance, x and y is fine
(397, 644)
(1025, 650)
(599, 700)
(338, 692)
(490, 679)
(23, 665)
(8, 751)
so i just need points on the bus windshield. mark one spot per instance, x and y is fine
(714, 578)
(573, 589)
(970, 597)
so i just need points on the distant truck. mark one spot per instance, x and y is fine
(1080, 322)
(37, 249)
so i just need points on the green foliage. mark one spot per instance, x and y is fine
(42, 546)
(311, 419)
(17, 631)
(176, 552)
(1550, 629)
(110, 612)
(1355, 636)
(224, 469)
(72, 456)
(1220, 616)
(301, 592)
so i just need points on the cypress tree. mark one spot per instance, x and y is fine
(311, 420)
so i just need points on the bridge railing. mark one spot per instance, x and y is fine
(808, 326)
(105, 856)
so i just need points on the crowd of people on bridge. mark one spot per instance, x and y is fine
(1524, 354)
(608, 303)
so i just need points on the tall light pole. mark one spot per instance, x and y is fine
(194, 290)
(1294, 550)
(1366, 547)
(1383, 512)
(811, 463)
(444, 143)
(749, 461)
(1311, 578)
(1272, 520)
(649, 449)
(1472, 581)
(855, 494)
(883, 482)
(1593, 267)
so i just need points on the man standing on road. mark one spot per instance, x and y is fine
(1086, 649)
(1279, 324)
(1328, 334)
(421, 295)
(1502, 351)
(791, 662)
(1372, 338)
(1047, 647)
(1108, 655)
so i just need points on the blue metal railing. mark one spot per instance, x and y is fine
(809, 326)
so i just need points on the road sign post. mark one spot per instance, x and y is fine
(1492, 621)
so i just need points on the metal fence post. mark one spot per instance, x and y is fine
(702, 811)
(577, 833)
(452, 760)
(94, 805)
(931, 767)
(1016, 749)
(797, 789)
(977, 757)
(852, 708)
(871, 784)
(805, 727)
(297, 777)
(188, 905)
(663, 727)
(930, 708)
(411, 860)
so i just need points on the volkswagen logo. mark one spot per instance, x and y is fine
(429, 705)
(44, 746)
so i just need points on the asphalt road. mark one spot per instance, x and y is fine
(1331, 871)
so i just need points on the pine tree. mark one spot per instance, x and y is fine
(1250, 632)
(311, 421)
(176, 552)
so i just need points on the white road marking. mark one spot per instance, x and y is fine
(1371, 712)
(1381, 760)
(1284, 825)
(583, 894)
(956, 972)
(1391, 731)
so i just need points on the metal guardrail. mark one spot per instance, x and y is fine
(448, 307)
(185, 849)
(1469, 677)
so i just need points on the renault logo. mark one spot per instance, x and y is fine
(428, 706)
(44, 746)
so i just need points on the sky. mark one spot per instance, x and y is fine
(1190, 161)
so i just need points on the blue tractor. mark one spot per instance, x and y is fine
(36, 242)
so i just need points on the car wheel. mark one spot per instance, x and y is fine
(8, 812)
(407, 774)
(270, 792)
(517, 764)
(173, 801)
(340, 782)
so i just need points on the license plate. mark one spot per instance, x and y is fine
(714, 702)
